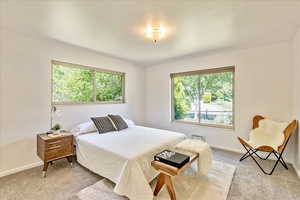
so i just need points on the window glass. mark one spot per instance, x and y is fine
(204, 98)
(78, 84)
(108, 87)
(216, 98)
(186, 95)
(72, 84)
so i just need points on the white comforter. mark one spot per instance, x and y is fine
(124, 157)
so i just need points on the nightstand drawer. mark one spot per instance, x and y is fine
(58, 151)
(59, 143)
(54, 145)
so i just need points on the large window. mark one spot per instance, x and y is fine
(73, 84)
(204, 97)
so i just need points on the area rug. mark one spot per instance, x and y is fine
(188, 186)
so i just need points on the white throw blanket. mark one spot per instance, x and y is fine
(269, 133)
(205, 154)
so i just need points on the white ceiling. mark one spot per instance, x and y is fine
(116, 27)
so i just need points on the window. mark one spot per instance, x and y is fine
(73, 84)
(205, 97)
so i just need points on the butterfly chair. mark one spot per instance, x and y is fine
(268, 136)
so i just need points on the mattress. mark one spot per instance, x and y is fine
(125, 157)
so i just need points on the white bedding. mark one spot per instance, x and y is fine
(124, 157)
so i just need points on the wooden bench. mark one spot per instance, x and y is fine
(168, 171)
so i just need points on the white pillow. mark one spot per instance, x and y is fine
(129, 122)
(83, 128)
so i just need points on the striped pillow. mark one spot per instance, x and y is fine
(103, 124)
(118, 121)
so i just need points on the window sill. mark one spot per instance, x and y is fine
(204, 124)
(88, 103)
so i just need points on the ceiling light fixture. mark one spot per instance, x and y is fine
(155, 33)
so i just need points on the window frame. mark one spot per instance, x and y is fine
(204, 72)
(93, 70)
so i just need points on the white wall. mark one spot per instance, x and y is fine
(1, 67)
(25, 93)
(262, 86)
(263, 82)
(296, 90)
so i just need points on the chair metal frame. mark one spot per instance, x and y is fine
(250, 151)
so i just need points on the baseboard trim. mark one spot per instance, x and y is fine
(37, 164)
(227, 149)
(241, 152)
(19, 169)
(297, 171)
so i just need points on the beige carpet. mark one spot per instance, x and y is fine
(189, 186)
(64, 182)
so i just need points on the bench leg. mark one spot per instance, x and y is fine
(160, 183)
(170, 187)
(162, 180)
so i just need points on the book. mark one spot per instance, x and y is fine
(172, 158)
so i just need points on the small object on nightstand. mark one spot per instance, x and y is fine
(50, 148)
(49, 132)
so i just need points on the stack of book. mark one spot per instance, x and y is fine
(172, 158)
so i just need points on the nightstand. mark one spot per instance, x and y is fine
(50, 149)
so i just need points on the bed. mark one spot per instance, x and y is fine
(124, 157)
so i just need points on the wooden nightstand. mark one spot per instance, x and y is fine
(50, 149)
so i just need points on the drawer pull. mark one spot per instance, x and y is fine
(54, 147)
(56, 142)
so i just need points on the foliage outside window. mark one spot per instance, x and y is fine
(79, 84)
(204, 97)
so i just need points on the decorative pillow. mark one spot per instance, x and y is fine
(103, 124)
(118, 121)
(83, 128)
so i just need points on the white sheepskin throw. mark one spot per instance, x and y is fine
(269, 133)
(205, 153)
